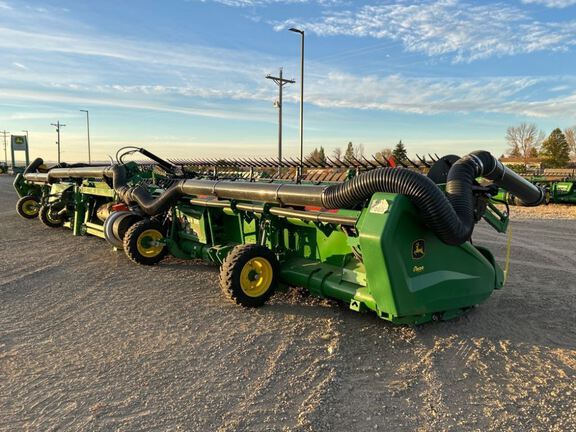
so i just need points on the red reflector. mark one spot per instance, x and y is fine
(119, 207)
(320, 209)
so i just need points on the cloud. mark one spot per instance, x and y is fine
(560, 4)
(463, 31)
(125, 102)
(433, 95)
(246, 3)
(20, 66)
(77, 67)
(252, 3)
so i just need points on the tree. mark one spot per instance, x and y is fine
(522, 139)
(399, 152)
(570, 134)
(359, 151)
(555, 150)
(383, 155)
(533, 152)
(349, 153)
(318, 155)
(515, 152)
(337, 153)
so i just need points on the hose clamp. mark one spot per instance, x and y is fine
(496, 164)
(277, 194)
(214, 188)
(478, 163)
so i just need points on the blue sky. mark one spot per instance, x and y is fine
(186, 78)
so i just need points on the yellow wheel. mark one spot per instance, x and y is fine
(144, 242)
(249, 275)
(148, 243)
(256, 277)
(49, 216)
(28, 207)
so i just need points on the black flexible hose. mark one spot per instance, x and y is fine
(450, 216)
(33, 166)
(436, 210)
(153, 206)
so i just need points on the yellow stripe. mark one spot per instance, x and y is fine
(508, 247)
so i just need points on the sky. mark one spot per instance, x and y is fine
(186, 78)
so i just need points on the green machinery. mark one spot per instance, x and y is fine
(557, 192)
(81, 197)
(389, 240)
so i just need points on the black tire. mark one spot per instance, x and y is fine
(137, 246)
(49, 217)
(249, 275)
(28, 207)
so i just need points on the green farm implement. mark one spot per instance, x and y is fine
(557, 192)
(82, 197)
(390, 240)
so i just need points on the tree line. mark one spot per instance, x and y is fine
(525, 142)
(353, 152)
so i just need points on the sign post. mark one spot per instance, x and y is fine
(19, 143)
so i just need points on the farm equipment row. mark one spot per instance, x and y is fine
(557, 191)
(390, 240)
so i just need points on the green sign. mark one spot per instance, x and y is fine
(19, 143)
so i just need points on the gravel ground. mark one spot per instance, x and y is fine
(90, 341)
(551, 211)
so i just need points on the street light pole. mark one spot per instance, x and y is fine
(5, 133)
(88, 129)
(281, 82)
(301, 32)
(58, 126)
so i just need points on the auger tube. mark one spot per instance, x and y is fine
(450, 216)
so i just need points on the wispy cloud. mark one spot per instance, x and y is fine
(183, 79)
(560, 4)
(464, 31)
(131, 103)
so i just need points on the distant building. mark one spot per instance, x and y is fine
(533, 163)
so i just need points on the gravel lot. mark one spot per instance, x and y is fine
(90, 341)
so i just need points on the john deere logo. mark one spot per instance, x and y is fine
(418, 249)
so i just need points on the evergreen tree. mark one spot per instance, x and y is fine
(322, 155)
(555, 150)
(318, 156)
(399, 152)
(349, 153)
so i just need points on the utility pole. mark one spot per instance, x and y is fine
(88, 129)
(5, 133)
(58, 125)
(301, 32)
(280, 82)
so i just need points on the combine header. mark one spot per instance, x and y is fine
(390, 240)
